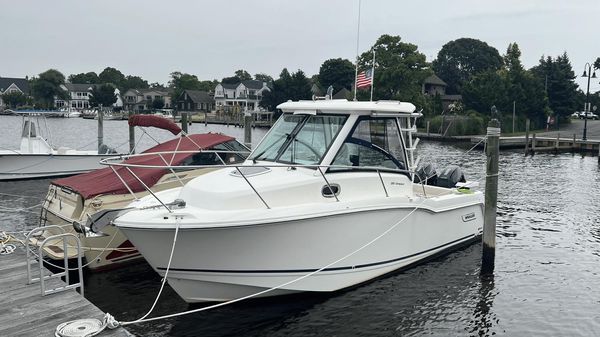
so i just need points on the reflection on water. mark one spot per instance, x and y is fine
(545, 283)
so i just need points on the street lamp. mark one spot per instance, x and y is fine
(586, 109)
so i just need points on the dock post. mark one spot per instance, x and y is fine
(533, 141)
(248, 129)
(131, 134)
(557, 145)
(527, 136)
(184, 122)
(491, 198)
(100, 129)
(428, 128)
(205, 118)
(574, 143)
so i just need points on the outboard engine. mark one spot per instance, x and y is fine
(426, 174)
(450, 176)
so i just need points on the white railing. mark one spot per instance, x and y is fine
(321, 169)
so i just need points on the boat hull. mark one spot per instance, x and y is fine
(223, 263)
(31, 166)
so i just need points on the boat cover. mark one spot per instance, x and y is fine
(104, 181)
(155, 121)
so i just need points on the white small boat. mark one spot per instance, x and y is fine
(72, 201)
(326, 201)
(36, 158)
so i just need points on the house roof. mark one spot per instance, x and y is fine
(79, 87)
(433, 79)
(229, 85)
(198, 96)
(342, 94)
(21, 83)
(253, 84)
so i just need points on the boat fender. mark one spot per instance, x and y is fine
(426, 173)
(450, 176)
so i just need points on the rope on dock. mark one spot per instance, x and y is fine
(87, 327)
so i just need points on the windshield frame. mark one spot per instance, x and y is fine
(291, 138)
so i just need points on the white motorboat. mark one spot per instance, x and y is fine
(71, 201)
(36, 158)
(326, 201)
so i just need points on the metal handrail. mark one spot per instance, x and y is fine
(28, 250)
(317, 167)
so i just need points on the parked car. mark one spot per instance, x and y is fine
(588, 115)
(576, 114)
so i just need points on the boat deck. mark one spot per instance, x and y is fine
(25, 312)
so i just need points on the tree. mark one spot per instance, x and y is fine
(294, 86)
(135, 82)
(181, 82)
(158, 103)
(208, 86)
(399, 69)
(14, 99)
(112, 75)
(243, 75)
(459, 60)
(558, 78)
(337, 72)
(47, 86)
(86, 78)
(263, 78)
(103, 95)
(485, 90)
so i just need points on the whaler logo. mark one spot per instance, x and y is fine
(468, 217)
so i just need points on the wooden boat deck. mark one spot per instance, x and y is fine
(25, 312)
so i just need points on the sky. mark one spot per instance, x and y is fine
(212, 39)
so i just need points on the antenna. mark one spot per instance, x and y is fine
(357, 43)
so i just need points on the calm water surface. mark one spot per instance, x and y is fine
(546, 281)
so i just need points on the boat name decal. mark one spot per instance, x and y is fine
(396, 183)
(469, 217)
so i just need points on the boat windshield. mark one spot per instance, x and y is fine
(299, 139)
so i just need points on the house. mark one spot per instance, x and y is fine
(79, 96)
(343, 94)
(195, 100)
(246, 95)
(10, 85)
(141, 99)
(433, 85)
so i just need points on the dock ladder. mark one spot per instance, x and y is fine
(31, 257)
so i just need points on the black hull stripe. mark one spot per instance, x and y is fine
(312, 270)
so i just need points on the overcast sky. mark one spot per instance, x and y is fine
(212, 39)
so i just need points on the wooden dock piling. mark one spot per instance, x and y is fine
(248, 129)
(527, 137)
(184, 122)
(100, 129)
(533, 141)
(131, 135)
(491, 198)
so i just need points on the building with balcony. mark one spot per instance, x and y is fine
(79, 96)
(141, 99)
(245, 95)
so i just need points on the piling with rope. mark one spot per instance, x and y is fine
(491, 198)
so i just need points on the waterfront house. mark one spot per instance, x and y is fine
(245, 95)
(433, 85)
(79, 96)
(12, 85)
(195, 100)
(141, 99)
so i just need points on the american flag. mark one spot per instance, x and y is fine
(364, 79)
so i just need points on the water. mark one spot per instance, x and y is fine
(545, 283)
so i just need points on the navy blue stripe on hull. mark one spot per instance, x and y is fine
(312, 270)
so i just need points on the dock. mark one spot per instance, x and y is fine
(25, 312)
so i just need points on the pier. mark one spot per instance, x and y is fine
(25, 312)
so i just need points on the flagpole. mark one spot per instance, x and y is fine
(357, 40)
(373, 75)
